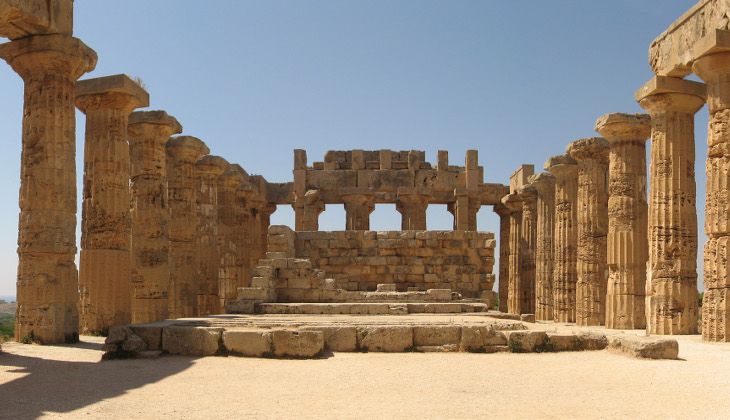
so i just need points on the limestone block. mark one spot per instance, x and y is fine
(191, 341)
(250, 343)
(337, 338)
(297, 344)
(576, 342)
(384, 338)
(118, 334)
(151, 334)
(436, 335)
(526, 341)
(134, 344)
(644, 347)
(527, 317)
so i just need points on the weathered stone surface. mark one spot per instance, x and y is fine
(250, 343)
(385, 338)
(644, 347)
(627, 218)
(592, 157)
(544, 184)
(714, 69)
(151, 334)
(528, 245)
(576, 342)
(134, 344)
(104, 270)
(527, 317)
(22, 18)
(671, 290)
(47, 284)
(337, 338)
(207, 170)
(504, 223)
(526, 341)
(182, 153)
(148, 131)
(287, 343)
(436, 335)
(565, 238)
(191, 341)
(514, 204)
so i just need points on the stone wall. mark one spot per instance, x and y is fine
(360, 260)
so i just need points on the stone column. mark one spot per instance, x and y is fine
(148, 131)
(504, 235)
(627, 218)
(714, 69)
(514, 292)
(671, 288)
(565, 237)
(528, 242)
(544, 184)
(412, 207)
(47, 285)
(592, 157)
(105, 288)
(207, 170)
(307, 210)
(182, 153)
(358, 208)
(228, 184)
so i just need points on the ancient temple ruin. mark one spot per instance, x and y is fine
(170, 230)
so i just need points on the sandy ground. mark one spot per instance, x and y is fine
(70, 381)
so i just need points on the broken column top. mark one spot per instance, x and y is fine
(512, 201)
(211, 164)
(187, 147)
(591, 148)
(117, 91)
(622, 127)
(527, 192)
(155, 118)
(542, 180)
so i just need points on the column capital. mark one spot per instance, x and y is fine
(618, 127)
(186, 148)
(589, 149)
(513, 202)
(543, 182)
(527, 193)
(211, 165)
(501, 210)
(663, 93)
(140, 121)
(561, 166)
(115, 92)
(49, 54)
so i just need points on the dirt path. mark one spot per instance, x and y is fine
(71, 382)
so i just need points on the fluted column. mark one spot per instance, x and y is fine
(358, 207)
(528, 243)
(671, 290)
(544, 184)
(228, 239)
(514, 292)
(565, 237)
(504, 234)
(207, 170)
(592, 157)
(627, 218)
(148, 131)
(714, 69)
(412, 207)
(47, 285)
(182, 153)
(105, 287)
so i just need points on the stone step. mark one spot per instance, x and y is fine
(368, 308)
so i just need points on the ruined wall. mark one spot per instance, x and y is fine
(360, 260)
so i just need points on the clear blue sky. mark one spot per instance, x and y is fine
(516, 80)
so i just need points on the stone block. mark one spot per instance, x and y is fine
(297, 344)
(644, 347)
(337, 338)
(389, 338)
(250, 343)
(134, 344)
(436, 335)
(191, 341)
(527, 318)
(386, 287)
(526, 341)
(151, 334)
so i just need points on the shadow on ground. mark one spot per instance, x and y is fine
(62, 386)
